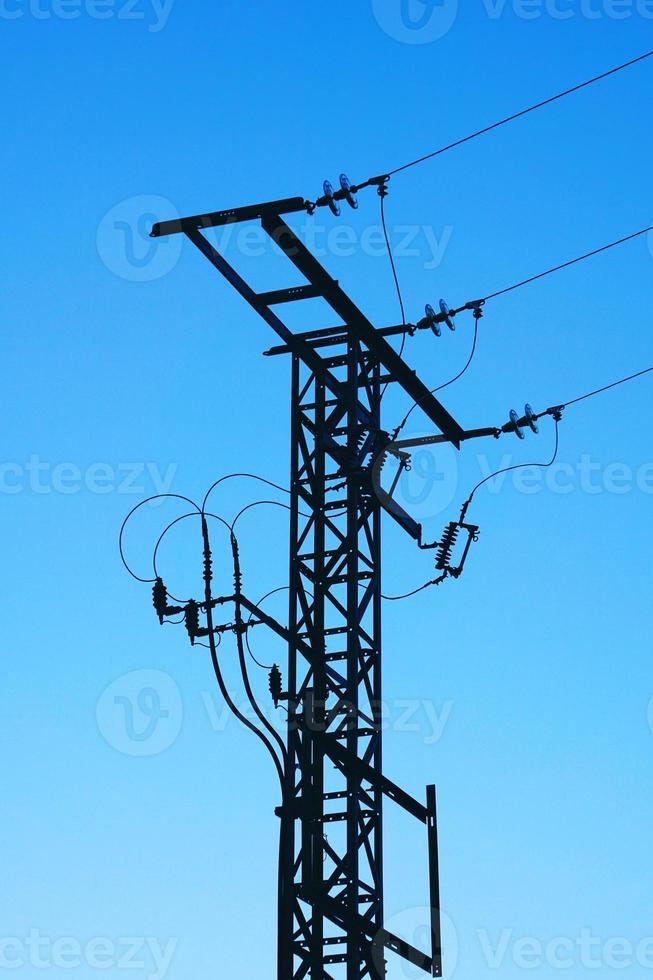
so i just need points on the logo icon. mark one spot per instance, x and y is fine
(416, 21)
(428, 485)
(141, 713)
(124, 244)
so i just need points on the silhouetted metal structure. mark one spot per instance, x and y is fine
(331, 902)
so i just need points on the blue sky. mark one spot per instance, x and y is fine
(522, 690)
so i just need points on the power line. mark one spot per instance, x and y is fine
(518, 115)
(566, 265)
(599, 391)
(518, 466)
(347, 189)
(525, 282)
(249, 476)
(408, 595)
(381, 183)
(158, 496)
(282, 588)
(509, 469)
(383, 195)
(465, 507)
(441, 387)
(213, 635)
(392, 262)
(213, 646)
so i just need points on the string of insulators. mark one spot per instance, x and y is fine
(276, 685)
(446, 546)
(447, 315)
(360, 444)
(517, 424)
(208, 563)
(208, 567)
(378, 451)
(368, 457)
(346, 192)
(380, 461)
(238, 576)
(160, 599)
(192, 620)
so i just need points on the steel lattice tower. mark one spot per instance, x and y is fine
(331, 922)
(335, 600)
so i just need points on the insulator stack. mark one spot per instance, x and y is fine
(376, 454)
(208, 563)
(380, 461)
(446, 546)
(160, 598)
(192, 620)
(366, 456)
(276, 684)
(238, 576)
(517, 424)
(208, 566)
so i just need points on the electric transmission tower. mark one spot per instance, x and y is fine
(331, 899)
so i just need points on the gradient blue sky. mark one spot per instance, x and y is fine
(537, 660)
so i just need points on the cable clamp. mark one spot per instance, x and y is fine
(381, 184)
(556, 412)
